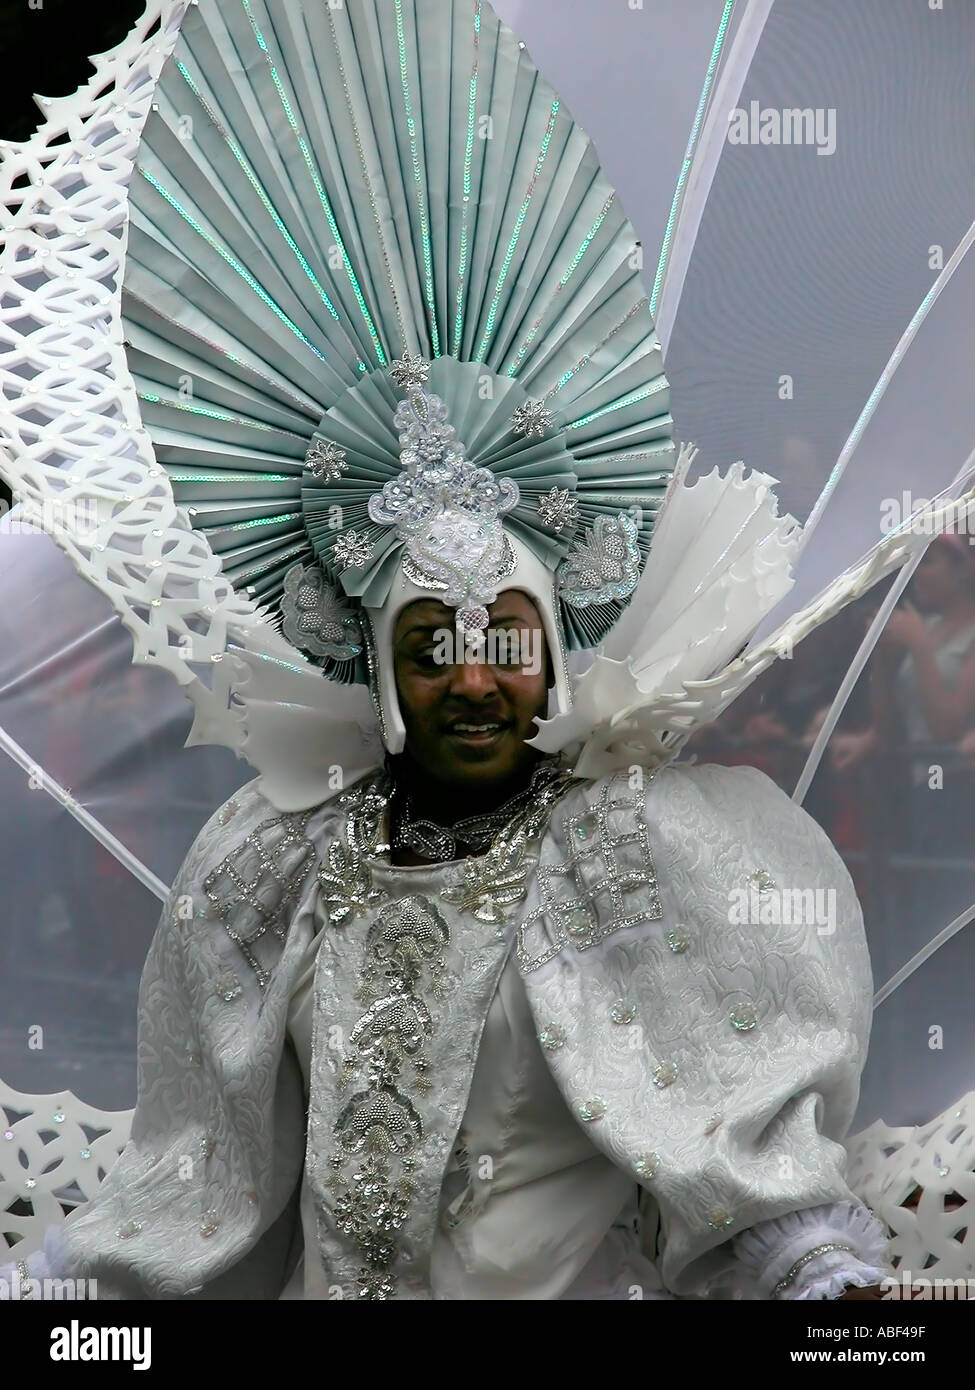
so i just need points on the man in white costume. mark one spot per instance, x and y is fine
(485, 1021)
(541, 1056)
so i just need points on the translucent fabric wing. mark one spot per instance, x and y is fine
(101, 801)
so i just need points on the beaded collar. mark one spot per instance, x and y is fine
(439, 843)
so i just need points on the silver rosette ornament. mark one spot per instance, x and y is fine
(319, 620)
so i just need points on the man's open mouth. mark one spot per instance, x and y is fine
(480, 729)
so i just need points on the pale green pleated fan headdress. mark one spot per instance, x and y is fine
(343, 213)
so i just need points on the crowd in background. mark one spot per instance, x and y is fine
(895, 788)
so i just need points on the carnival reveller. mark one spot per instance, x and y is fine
(538, 1060)
(501, 1003)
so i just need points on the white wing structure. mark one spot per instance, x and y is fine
(812, 286)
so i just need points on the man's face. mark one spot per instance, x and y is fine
(467, 720)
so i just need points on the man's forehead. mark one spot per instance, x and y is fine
(430, 612)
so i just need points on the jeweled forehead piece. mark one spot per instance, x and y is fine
(446, 511)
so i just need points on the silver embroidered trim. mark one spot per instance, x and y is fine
(607, 882)
(344, 878)
(420, 578)
(487, 887)
(381, 1124)
(507, 565)
(277, 853)
(403, 972)
(438, 842)
(809, 1256)
(446, 511)
(560, 638)
(372, 671)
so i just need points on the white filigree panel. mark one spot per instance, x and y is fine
(54, 1154)
(921, 1182)
(73, 444)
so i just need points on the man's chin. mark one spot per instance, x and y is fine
(497, 758)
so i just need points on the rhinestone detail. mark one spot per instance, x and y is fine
(558, 509)
(277, 854)
(577, 921)
(352, 550)
(718, 1218)
(607, 883)
(228, 987)
(326, 461)
(532, 418)
(810, 1255)
(409, 371)
(592, 1109)
(647, 1164)
(552, 1037)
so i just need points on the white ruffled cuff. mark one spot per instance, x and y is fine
(815, 1253)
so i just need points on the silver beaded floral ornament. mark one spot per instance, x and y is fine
(447, 516)
(316, 618)
(446, 512)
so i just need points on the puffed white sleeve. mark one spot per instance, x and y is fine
(697, 952)
(773, 994)
(203, 1199)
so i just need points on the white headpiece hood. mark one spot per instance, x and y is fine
(529, 575)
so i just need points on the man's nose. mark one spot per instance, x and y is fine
(473, 680)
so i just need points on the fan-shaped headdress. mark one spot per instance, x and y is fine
(386, 321)
(386, 335)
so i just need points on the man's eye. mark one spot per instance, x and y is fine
(508, 652)
(426, 660)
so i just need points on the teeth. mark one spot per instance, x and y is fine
(476, 728)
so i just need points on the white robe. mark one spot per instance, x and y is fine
(530, 1208)
(678, 1135)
